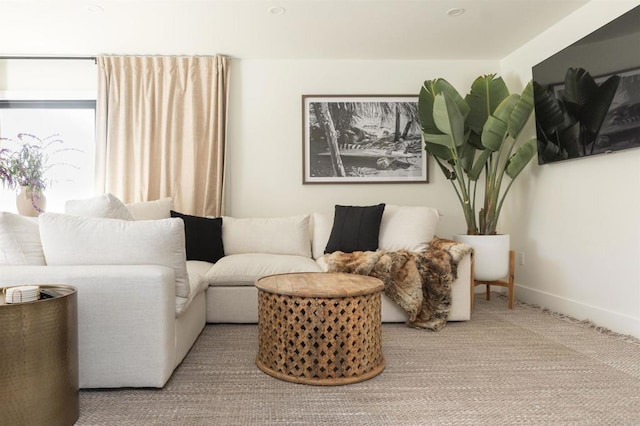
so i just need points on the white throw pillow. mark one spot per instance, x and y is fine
(151, 210)
(322, 225)
(407, 228)
(19, 240)
(276, 235)
(75, 240)
(105, 205)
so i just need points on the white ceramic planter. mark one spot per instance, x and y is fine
(491, 255)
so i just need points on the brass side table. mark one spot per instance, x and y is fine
(39, 360)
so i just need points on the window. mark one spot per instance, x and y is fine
(46, 96)
(72, 161)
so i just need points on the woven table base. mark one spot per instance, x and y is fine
(320, 341)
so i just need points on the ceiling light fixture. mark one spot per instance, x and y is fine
(94, 9)
(277, 10)
(456, 11)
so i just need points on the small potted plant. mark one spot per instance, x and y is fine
(475, 134)
(24, 167)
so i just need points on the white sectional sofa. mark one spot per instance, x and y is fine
(142, 306)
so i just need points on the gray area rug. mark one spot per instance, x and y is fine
(520, 366)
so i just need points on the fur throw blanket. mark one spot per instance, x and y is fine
(420, 283)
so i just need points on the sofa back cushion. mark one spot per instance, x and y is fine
(105, 205)
(74, 240)
(402, 228)
(151, 210)
(19, 240)
(275, 235)
(407, 228)
(322, 225)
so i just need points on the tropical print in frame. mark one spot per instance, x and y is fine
(362, 139)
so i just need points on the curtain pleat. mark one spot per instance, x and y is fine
(161, 130)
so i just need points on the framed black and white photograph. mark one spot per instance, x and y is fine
(362, 139)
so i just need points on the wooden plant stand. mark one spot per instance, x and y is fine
(508, 284)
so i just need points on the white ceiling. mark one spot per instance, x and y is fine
(308, 29)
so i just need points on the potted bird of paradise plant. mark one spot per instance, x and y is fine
(476, 142)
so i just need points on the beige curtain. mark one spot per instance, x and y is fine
(161, 130)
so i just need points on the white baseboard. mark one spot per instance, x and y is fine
(617, 322)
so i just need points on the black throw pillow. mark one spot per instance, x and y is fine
(355, 228)
(203, 237)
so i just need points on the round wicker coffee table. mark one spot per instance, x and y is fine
(320, 328)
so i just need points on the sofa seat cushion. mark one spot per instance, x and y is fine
(197, 271)
(245, 269)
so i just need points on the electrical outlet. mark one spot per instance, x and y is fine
(521, 258)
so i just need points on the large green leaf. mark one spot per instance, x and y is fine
(439, 139)
(494, 133)
(443, 86)
(466, 154)
(518, 161)
(504, 110)
(448, 173)
(521, 111)
(426, 98)
(495, 128)
(474, 174)
(438, 151)
(448, 117)
(486, 94)
(425, 108)
(475, 140)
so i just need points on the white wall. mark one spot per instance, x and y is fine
(265, 134)
(578, 221)
(48, 79)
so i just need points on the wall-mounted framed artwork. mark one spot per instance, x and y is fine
(362, 139)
